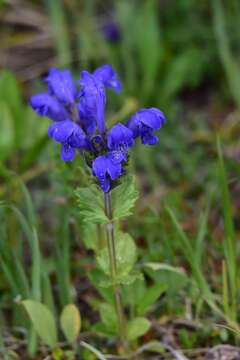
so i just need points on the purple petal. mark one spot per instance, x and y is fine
(78, 139)
(154, 118)
(67, 152)
(109, 77)
(105, 169)
(148, 137)
(134, 124)
(120, 136)
(46, 105)
(87, 118)
(144, 122)
(92, 100)
(87, 79)
(61, 84)
(117, 156)
(60, 131)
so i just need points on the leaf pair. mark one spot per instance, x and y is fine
(45, 324)
(134, 328)
(91, 206)
(126, 256)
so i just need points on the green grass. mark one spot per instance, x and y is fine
(185, 223)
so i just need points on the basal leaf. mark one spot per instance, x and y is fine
(108, 317)
(151, 295)
(43, 321)
(137, 327)
(124, 197)
(70, 321)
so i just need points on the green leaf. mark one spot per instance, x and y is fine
(12, 99)
(130, 278)
(148, 42)
(229, 60)
(10, 90)
(121, 280)
(124, 197)
(70, 321)
(97, 277)
(201, 233)
(57, 14)
(108, 317)
(230, 244)
(137, 327)
(100, 329)
(126, 255)
(91, 205)
(151, 295)
(43, 321)
(89, 234)
(133, 294)
(7, 131)
(155, 346)
(178, 69)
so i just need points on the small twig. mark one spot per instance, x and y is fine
(176, 353)
(187, 323)
(99, 355)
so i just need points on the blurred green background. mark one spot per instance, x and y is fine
(181, 56)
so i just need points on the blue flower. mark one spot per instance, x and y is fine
(119, 140)
(70, 135)
(105, 169)
(111, 31)
(67, 152)
(93, 96)
(87, 116)
(109, 77)
(144, 122)
(92, 101)
(46, 105)
(62, 86)
(79, 121)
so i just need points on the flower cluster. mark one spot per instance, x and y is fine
(77, 111)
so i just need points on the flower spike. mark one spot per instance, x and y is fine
(79, 121)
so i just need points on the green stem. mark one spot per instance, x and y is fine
(111, 244)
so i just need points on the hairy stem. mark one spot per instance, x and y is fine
(111, 244)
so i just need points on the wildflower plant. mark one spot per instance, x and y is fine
(77, 111)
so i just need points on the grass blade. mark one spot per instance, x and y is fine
(60, 31)
(231, 67)
(230, 246)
